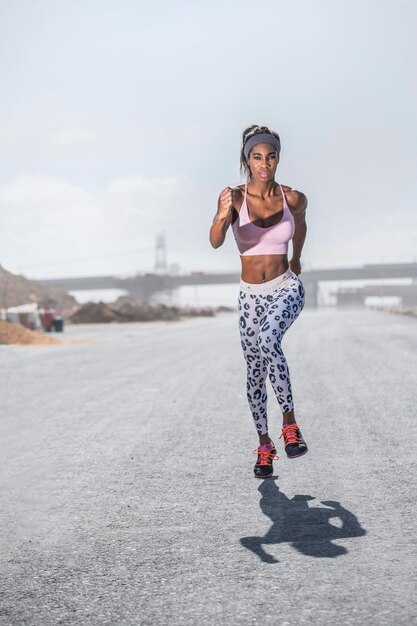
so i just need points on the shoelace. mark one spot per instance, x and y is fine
(290, 434)
(265, 456)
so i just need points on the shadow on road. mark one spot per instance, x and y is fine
(308, 529)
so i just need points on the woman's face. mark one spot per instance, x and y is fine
(263, 161)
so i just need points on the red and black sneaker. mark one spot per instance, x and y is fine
(293, 441)
(263, 466)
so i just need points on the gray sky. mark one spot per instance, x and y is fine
(120, 119)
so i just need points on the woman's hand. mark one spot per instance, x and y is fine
(223, 218)
(225, 203)
(295, 266)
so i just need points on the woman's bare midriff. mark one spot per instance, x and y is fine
(263, 267)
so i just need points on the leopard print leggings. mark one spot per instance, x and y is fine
(266, 311)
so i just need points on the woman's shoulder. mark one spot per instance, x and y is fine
(238, 196)
(237, 189)
(297, 200)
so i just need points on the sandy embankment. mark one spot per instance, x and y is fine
(18, 335)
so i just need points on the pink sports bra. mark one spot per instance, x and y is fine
(253, 240)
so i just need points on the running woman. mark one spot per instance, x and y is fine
(264, 216)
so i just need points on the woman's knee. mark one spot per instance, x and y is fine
(264, 336)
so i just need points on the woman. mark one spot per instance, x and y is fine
(264, 216)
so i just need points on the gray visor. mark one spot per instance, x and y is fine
(261, 138)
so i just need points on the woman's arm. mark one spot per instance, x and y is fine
(297, 202)
(223, 218)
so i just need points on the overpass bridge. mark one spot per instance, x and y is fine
(144, 286)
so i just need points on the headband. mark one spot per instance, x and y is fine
(260, 138)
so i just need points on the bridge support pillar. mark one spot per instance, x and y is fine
(312, 290)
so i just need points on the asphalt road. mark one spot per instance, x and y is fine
(128, 495)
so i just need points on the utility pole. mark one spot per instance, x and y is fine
(160, 255)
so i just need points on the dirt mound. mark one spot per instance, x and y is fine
(16, 334)
(16, 290)
(403, 310)
(197, 311)
(143, 311)
(127, 309)
(123, 310)
(95, 313)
